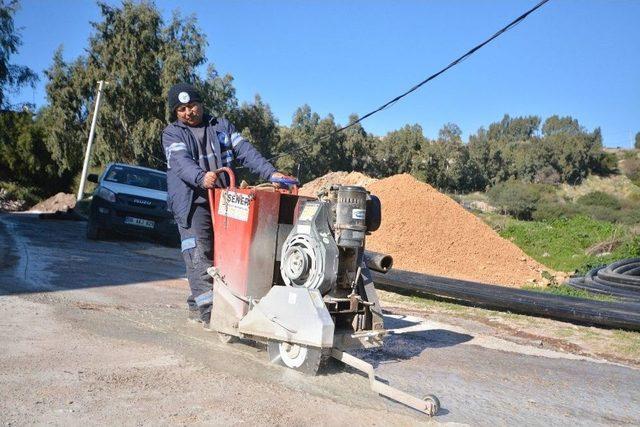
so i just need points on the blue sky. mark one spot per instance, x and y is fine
(578, 58)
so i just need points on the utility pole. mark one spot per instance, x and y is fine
(87, 155)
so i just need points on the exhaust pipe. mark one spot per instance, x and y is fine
(378, 262)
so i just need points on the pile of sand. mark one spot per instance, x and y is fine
(61, 202)
(312, 188)
(426, 231)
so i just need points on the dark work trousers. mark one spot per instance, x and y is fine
(197, 251)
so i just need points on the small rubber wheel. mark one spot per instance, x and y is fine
(226, 338)
(433, 405)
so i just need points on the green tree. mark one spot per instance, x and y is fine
(311, 145)
(396, 152)
(445, 163)
(65, 116)
(358, 148)
(516, 198)
(637, 141)
(575, 152)
(258, 124)
(483, 159)
(24, 157)
(141, 57)
(12, 76)
(514, 148)
(513, 129)
(218, 92)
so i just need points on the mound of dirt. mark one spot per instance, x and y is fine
(428, 232)
(61, 202)
(312, 188)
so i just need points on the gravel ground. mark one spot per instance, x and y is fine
(95, 333)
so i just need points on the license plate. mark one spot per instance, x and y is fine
(139, 222)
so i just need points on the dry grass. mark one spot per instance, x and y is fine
(618, 185)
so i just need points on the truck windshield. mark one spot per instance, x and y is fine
(137, 177)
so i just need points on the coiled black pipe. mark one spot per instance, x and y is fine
(620, 279)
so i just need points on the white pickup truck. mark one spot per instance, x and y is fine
(131, 200)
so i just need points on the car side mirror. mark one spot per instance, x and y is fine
(93, 178)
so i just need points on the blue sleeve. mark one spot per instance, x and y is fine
(179, 158)
(247, 155)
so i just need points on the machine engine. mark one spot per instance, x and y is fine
(325, 251)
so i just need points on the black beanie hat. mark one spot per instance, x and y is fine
(182, 93)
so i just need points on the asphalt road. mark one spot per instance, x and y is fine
(95, 333)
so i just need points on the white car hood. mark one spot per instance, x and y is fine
(134, 191)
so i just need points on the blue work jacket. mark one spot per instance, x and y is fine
(184, 173)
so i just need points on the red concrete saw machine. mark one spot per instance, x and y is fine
(291, 271)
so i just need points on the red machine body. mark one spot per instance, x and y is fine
(246, 226)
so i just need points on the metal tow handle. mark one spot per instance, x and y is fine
(430, 405)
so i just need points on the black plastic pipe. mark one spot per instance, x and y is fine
(377, 261)
(620, 279)
(569, 309)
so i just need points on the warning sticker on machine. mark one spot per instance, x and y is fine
(308, 211)
(358, 214)
(234, 205)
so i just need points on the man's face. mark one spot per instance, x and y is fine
(190, 114)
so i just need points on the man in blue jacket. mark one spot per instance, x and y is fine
(196, 145)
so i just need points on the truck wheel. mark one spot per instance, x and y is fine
(93, 231)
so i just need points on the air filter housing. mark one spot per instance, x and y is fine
(351, 215)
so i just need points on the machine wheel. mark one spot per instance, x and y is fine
(226, 338)
(433, 405)
(295, 356)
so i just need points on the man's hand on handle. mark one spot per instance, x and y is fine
(209, 180)
(281, 180)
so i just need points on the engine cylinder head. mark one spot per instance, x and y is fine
(351, 213)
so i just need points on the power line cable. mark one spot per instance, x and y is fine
(419, 85)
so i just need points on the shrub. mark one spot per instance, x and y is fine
(547, 175)
(610, 162)
(600, 198)
(549, 210)
(629, 216)
(517, 198)
(20, 197)
(601, 213)
(631, 168)
(631, 249)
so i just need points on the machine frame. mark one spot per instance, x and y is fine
(300, 326)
